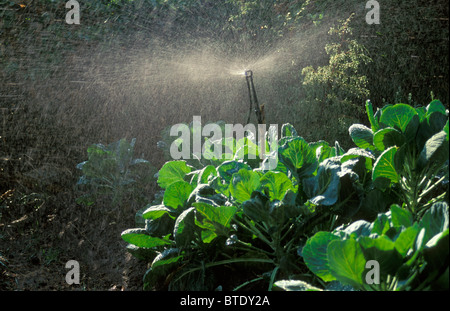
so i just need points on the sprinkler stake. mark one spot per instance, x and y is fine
(253, 99)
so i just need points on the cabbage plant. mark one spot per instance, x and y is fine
(383, 201)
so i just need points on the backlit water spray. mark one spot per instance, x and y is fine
(136, 87)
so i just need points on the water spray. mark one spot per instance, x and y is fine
(259, 111)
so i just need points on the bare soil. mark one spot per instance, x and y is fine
(39, 237)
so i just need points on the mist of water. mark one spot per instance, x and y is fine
(137, 88)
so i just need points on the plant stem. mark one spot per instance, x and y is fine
(254, 231)
(431, 202)
(433, 186)
(393, 284)
(287, 232)
(272, 277)
(409, 281)
(249, 246)
(248, 282)
(406, 198)
(224, 262)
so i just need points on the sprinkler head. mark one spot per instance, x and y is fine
(248, 73)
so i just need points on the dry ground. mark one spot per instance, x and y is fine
(38, 238)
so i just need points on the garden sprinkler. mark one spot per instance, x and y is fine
(253, 99)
